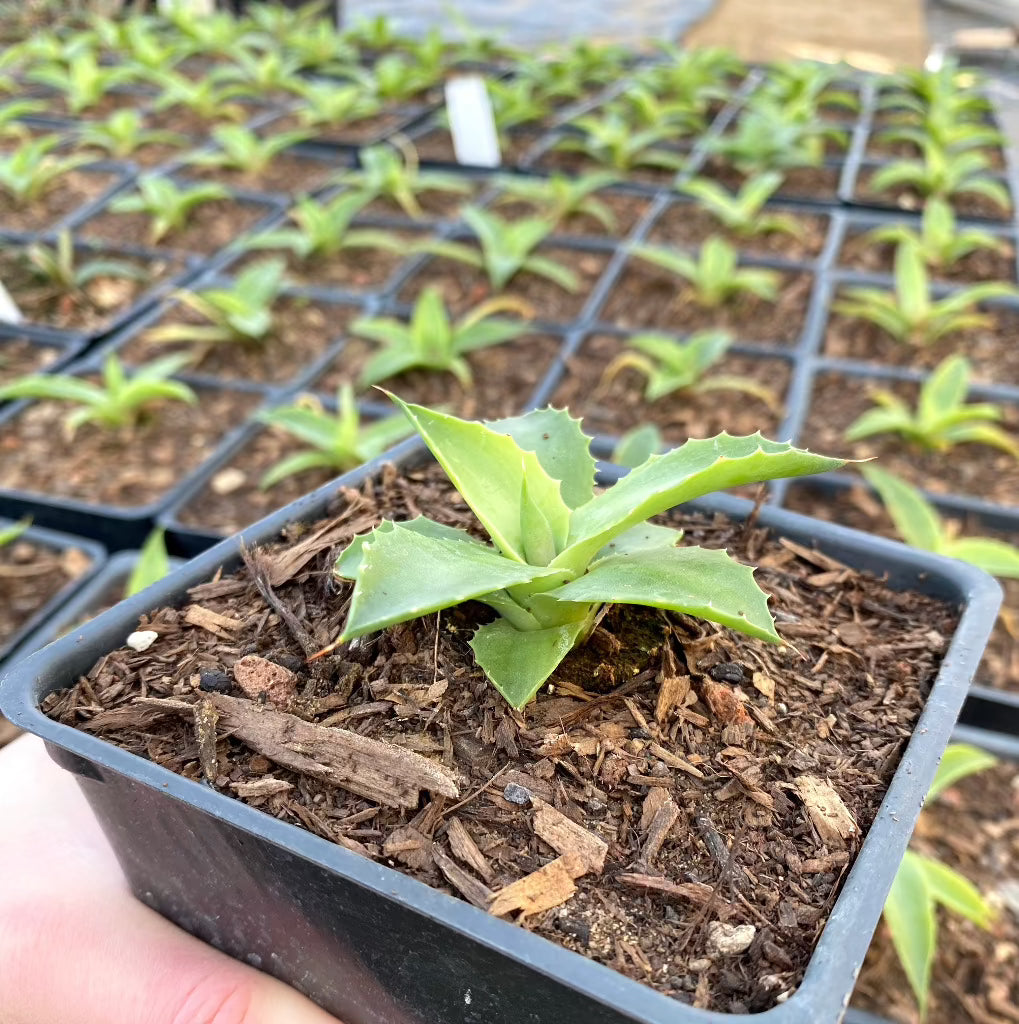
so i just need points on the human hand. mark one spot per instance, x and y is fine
(75, 945)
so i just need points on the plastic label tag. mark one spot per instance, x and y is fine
(9, 312)
(471, 122)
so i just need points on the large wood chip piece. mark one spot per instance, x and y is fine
(206, 717)
(566, 837)
(541, 890)
(464, 848)
(213, 622)
(693, 892)
(664, 816)
(378, 771)
(829, 815)
(463, 881)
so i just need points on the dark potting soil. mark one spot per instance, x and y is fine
(189, 122)
(436, 204)
(645, 295)
(122, 468)
(19, 356)
(965, 204)
(362, 132)
(152, 154)
(993, 351)
(210, 227)
(688, 786)
(818, 183)
(861, 253)
(90, 308)
(504, 377)
(575, 163)
(974, 828)
(620, 405)
(463, 287)
(624, 209)
(286, 173)
(687, 225)
(69, 193)
(975, 470)
(111, 102)
(302, 331)
(863, 511)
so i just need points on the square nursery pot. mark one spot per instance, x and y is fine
(374, 946)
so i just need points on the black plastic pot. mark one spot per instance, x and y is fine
(375, 947)
(18, 644)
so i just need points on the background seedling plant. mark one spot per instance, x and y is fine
(117, 402)
(167, 204)
(81, 80)
(742, 212)
(9, 534)
(153, 564)
(30, 171)
(560, 196)
(333, 105)
(336, 441)
(610, 140)
(558, 552)
(942, 418)
(240, 149)
(671, 366)
(714, 275)
(123, 133)
(638, 445)
(209, 98)
(909, 314)
(430, 341)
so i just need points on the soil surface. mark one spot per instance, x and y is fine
(818, 183)
(302, 331)
(974, 828)
(92, 308)
(965, 204)
(624, 209)
(863, 511)
(19, 356)
(210, 226)
(109, 103)
(122, 468)
(287, 173)
(619, 405)
(860, 253)
(463, 287)
(67, 195)
(678, 755)
(645, 295)
(975, 470)
(688, 226)
(365, 131)
(993, 350)
(575, 163)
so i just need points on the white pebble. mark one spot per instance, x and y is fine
(730, 939)
(142, 639)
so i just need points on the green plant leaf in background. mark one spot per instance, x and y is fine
(152, 565)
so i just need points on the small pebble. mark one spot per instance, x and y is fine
(212, 680)
(517, 794)
(142, 639)
(227, 481)
(730, 939)
(727, 672)
(699, 965)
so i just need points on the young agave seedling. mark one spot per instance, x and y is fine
(559, 552)
(336, 441)
(81, 80)
(742, 212)
(241, 149)
(940, 242)
(123, 133)
(9, 534)
(923, 884)
(697, 78)
(30, 171)
(114, 404)
(57, 266)
(398, 78)
(804, 86)
(11, 113)
(945, 131)
(323, 229)
(240, 314)
(942, 418)
(146, 46)
(638, 445)
(561, 196)
(316, 46)
(768, 138)
(670, 366)
(943, 173)
(326, 103)
(261, 73)
(947, 88)
(167, 204)
(385, 173)
(507, 249)
(431, 342)
(642, 107)
(909, 314)
(517, 102)
(209, 97)
(920, 526)
(153, 564)
(714, 275)
(611, 140)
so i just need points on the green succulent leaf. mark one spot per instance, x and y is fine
(959, 761)
(909, 915)
(152, 565)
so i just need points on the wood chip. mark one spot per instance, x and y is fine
(410, 846)
(671, 693)
(664, 817)
(257, 676)
(262, 787)
(463, 881)
(675, 761)
(541, 890)
(829, 815)
(812, 557)
(378, 771)
(726, 707)
(692, 892)
(464, 848)
(206, 717)
(763, 683)
(567, 838)
(282, 566)
(213, 622)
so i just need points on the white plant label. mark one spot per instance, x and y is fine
(471, 122)
(9, 312)
(189, 6)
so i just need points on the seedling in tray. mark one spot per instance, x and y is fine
(947, 89)
(399, 78)
(9, 534)
(11, 125)
(209, 98)
(697, 78)
(611, 140)
(239, 314)
(714, 276)
(909, 314)
(641, 107)
(167, 204)
(153, 564)
(919, 525)
(241, 149)
(940, 242)
(804, 87)
(742, 212)
(579, 68)
(81, 80)
(923, 884)
(431, 342)
(670, 365)
(328, 104)
(336, 441)
(507, 249)
(30, 171)
(942, 418)
(561, 196)
(638, 445)
(559, 552)
(517, 102)
(123, 133)
(114, 404)
(385, 174)
(261, 73)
